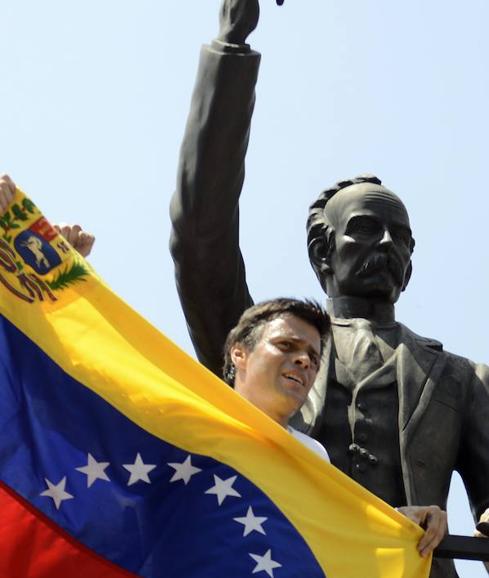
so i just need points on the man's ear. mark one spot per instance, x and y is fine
(239, 356)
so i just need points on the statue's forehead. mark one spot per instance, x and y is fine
(366, 197)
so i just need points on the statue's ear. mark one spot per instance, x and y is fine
(319, 256)
(407, 276)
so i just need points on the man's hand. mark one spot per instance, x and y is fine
(237, 20)
(482, 530)
(433, 520)
(74, 234)
(77, 238)
(7, 192)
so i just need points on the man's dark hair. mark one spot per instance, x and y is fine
(248, 330)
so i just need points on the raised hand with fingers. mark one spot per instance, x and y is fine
(7, 192)
(77, 238)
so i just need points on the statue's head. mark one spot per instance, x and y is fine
(359, 240)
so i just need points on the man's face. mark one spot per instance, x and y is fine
(372, 254)
(277, 374)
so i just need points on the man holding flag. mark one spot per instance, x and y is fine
(121, 456)
(272, 359)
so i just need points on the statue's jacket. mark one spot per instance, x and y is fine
(443, 417)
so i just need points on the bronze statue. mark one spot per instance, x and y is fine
(395, 411)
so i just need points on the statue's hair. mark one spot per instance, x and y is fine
(316, 223)
(248, 330)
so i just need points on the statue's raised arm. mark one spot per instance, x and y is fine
(209, 268)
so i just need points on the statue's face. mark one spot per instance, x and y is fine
(372, 252)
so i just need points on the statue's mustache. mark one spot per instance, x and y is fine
(382, 261)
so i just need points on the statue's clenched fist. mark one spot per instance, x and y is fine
(238, 19)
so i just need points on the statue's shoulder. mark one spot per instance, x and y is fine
(420, 339)
(463, 364)
(482, 372)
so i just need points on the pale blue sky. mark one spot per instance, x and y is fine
(94, 97)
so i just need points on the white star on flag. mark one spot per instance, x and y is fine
(94, 470)
(184, 471)
(139, 471)
(251, 523)
(57, 492)
(265, 563)
(223, 488)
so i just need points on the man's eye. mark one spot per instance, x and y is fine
(284, 345)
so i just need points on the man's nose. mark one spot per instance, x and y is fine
(302, 359)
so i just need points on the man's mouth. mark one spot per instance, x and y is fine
(294, 377)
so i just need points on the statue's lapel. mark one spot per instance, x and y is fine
(419, 365)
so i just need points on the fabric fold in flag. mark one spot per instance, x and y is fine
(122, 456)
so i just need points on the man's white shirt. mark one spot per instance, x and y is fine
(309, 442)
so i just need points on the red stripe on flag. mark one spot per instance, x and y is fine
(32, 546)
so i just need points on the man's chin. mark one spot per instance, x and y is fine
(295, 400)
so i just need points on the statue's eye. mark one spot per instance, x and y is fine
(402, 235)
(363, 226)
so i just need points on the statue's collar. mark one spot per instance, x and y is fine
(378, 312)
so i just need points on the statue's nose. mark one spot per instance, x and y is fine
(386, 238)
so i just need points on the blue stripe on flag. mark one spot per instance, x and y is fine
(136, 500)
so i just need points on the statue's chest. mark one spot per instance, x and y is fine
(360, 431)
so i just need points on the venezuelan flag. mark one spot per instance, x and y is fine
(121, 456)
